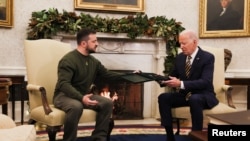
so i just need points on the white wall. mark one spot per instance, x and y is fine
(11, 55)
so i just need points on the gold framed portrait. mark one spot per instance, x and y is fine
(6, 13)
(223, 18)
(110, 5)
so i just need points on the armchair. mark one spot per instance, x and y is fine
(223, 92)
(9, 131)
(42, 57)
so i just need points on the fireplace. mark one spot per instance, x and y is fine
(127, 97)
(118, 52)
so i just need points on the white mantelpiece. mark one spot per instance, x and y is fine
(119, 52)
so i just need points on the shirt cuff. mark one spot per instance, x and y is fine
(182, 85)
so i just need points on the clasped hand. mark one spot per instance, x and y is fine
(88, 101)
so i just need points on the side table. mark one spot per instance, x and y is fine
(4, 94)
(17, 80)
(240, 81)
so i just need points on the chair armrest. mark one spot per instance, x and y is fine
(6, 122)
(42, 90)
(228, 91)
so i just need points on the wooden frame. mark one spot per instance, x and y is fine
(111, 5)
(207, 14)
(6, 13)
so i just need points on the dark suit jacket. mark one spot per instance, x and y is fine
(230, 20)
(200, 80)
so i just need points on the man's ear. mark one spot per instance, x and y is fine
(195, 41)
(83, 43)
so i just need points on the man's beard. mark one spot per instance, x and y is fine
(90, 50)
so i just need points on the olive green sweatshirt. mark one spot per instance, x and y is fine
(76, 74)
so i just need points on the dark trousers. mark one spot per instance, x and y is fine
(196, 103)
(73, 110)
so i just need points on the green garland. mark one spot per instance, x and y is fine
(47, 23)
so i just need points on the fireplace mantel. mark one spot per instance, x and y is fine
(111, 36)
(119, 52)
(116, 43)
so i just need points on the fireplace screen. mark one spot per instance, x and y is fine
(127, 98)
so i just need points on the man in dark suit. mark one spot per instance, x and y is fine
(226, 19)
(194, 89)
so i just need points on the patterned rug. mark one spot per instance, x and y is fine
(84, 131)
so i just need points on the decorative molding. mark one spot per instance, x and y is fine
(237, 73)
(115, 36)
(12, 70)
(116, 43)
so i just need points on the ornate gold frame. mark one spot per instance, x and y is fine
(203, 21)
(7, 20)
(108, 5)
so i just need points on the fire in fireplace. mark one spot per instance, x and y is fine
(127, 98)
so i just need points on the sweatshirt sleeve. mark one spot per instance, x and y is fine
(64, 84)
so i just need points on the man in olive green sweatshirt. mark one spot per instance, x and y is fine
(77, 71)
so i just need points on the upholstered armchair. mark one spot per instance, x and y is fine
(223, 92)
(42, 57)
(9, 131)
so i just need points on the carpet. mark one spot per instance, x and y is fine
(141, 137)
(123, 133)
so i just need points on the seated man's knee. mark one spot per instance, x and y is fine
(107, 102)
(164, 97)
(76, 106)
(195, 98)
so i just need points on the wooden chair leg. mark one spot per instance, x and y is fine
(111, 126)
(5, 109)
(31, 121)
(52, 130)
(178, 126)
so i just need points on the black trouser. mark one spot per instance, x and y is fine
(196, 103)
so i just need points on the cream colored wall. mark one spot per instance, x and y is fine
(185, 11)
